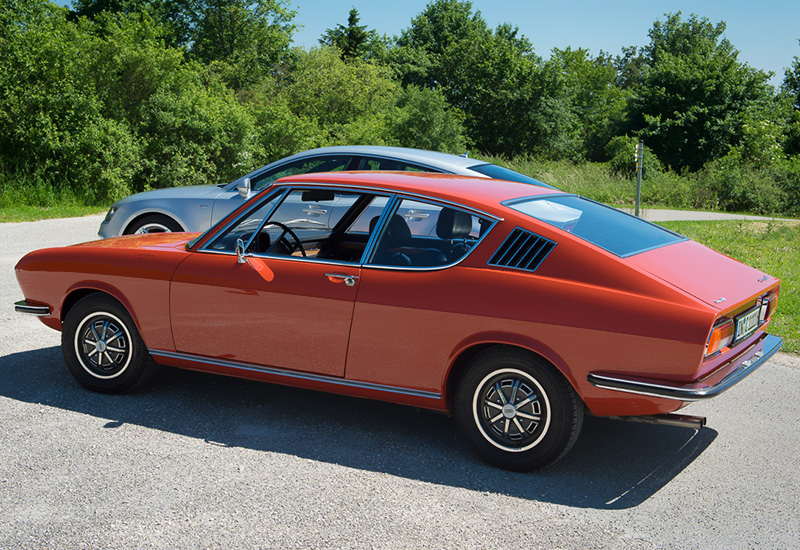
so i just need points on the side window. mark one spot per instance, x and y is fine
(314, 224)
(366, 221)
(302, 166)
(421, 234)
(376, 163)
(245, 226)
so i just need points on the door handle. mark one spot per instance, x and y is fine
(349, 280)
(416, 215)
(314, 210)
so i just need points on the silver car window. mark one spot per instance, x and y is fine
(302, 166)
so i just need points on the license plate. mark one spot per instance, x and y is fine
(746, 324)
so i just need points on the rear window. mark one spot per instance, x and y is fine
(500, 173)
(606, 227)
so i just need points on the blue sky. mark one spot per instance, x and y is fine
(765, 32)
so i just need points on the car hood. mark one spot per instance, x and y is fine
(151, 241)
(716, 279)
(188, 192)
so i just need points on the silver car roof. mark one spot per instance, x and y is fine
(442, 161)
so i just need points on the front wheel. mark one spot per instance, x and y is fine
(102, 348)
(153, 223)
(517, 411)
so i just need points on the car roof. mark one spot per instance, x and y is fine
(474, 192)
(421, 156)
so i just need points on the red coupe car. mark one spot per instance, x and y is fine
(519, 309)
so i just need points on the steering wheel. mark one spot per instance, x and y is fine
(285, 230)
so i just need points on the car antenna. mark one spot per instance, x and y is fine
(465, 155)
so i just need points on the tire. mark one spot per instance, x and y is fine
(517, 411)
(102, 347)
(153, 223)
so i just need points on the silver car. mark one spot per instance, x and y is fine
(197, 208)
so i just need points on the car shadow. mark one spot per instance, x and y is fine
(614, 465)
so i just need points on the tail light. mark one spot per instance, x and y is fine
(721, 336)
(724, 331)
(767, 308)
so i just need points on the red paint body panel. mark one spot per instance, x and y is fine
(398, 334)
(687, 265)
(136, 270)
(288, 314)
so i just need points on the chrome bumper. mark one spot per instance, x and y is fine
(23, 307)
(698, 390)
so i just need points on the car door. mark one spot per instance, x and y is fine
(413, 305)
(277, 307)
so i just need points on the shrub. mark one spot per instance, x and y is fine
(621, 152)
(738, 186)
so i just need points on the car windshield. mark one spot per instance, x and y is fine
(606, 227)
(499, 173)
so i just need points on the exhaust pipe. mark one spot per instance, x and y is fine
(672, 419)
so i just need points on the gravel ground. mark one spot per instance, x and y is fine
(199, 461)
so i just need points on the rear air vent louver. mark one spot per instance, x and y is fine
(522, 250)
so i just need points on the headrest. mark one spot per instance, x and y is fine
(453, 224)
(397, 234)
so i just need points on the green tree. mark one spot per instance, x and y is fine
(426, 120)
(352, 40)
(350, 102)
(596, 101)
(791, 82)
(421, 47)
(511, 102)
(239, 31)
(695, 95)
(51, 122)
(242, 38)
(629, 66)
(791, 89)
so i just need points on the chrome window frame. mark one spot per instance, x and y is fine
(391, 206)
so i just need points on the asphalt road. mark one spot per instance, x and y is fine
(199, 461)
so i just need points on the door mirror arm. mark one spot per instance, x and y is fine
(240, 251)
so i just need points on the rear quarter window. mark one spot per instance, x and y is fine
(604, 226)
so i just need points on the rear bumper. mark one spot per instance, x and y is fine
(24, 307)
(741, 366)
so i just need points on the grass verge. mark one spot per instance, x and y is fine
(32, 213)
(773, 247)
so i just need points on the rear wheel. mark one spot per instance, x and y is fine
(153, 223)
(517, 411)
(102, 348)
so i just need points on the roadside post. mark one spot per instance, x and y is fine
(639, 161)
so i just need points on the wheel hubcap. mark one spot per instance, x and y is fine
(152, 228)
(511, 410)
(102, 345)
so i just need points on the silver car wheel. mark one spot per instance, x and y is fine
(511, 410)
(102, 345)
(152, 228)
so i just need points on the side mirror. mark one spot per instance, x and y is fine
(244, 188)
(240, 250)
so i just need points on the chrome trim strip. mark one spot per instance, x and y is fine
(39, 311)
(771, 345)
(296, 375)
